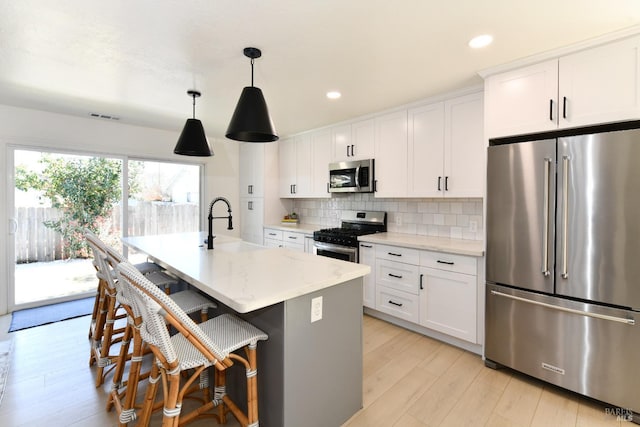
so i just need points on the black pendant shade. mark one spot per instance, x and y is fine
(192, 141)
(251, 121)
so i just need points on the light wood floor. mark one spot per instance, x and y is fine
(409, 381)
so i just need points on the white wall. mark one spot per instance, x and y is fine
(31, 128)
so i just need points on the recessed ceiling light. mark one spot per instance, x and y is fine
(334, 94)
(481, 41)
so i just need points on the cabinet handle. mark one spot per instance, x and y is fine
(365, 246)
(352, 152)
(394, 254)
(446, 183)
(295, 190)
(551, 109)
(250, 189)
(272, 234)
(375, 185)
(395, 276)
(348, 155)
(250, 206)
(328, 188)
(445, 262)
(439, 181)
(292, 237)
(395, 303)
(564, 107)
(421, 277)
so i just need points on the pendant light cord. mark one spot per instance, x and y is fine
(251, 72)
(194, 105)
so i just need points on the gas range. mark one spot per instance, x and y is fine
(342, 242)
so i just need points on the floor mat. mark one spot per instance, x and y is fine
(30, 317)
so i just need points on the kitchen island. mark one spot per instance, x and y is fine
(310, 372)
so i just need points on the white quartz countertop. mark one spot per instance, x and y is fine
(439, 244)
(297, 228)
(242, 275)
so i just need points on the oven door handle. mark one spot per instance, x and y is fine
(335, 248)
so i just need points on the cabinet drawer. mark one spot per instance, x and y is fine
(397, 275)
(397, 303)
(396, 253)
(449, 262)
(270, 243)
(291, 237)
(270, 233)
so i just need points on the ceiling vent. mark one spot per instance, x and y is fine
(104, 116)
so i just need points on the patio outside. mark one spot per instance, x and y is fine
(163, 199)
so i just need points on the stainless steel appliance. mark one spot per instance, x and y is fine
(563, 275)
(342, 242)
(355, 176)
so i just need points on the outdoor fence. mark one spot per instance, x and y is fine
(37, 243)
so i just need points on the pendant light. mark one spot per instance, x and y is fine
(251, 121)
(192, 141)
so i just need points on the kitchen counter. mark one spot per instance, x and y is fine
(309, 306)
(243, 275)
(439, 244)
(297, 228)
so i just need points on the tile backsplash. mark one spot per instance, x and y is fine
(454, 218)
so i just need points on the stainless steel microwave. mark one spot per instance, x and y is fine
(355, 176)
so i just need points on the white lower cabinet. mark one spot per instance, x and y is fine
(275, 238)
(293, 240)
(272, 238)
(448, 303)
(436, 290)
(251, 218)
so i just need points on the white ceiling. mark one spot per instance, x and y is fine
(135, 59)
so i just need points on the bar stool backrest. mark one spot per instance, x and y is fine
(165, 309)
(106, 259)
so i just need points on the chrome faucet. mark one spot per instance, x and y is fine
(211, 218)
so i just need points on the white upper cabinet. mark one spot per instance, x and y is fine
(304, 165)
(593, 86)
(464, 147)
(446, 148)
(302, 184)
(391, 155)
(321, 157)
(426, 151)
(600, 85)
(353, 142)
(251, 169)
(287, 167)
(522, 101)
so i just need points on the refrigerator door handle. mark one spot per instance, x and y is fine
(565, 309)
(565, 214)
(545, 218)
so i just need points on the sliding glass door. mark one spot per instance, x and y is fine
(55, 196)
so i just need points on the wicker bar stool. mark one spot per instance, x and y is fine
(195, 348)
(123, 393)
(105, 334)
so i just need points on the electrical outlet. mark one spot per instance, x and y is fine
(398, 219)
(316, 309)
(473, 226)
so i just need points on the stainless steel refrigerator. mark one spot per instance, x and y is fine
(563, 263)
